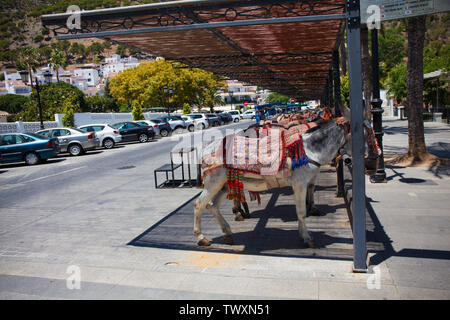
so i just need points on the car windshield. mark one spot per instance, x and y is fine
(37, 135)
(118, 125)
(157, 121)
(78, 130)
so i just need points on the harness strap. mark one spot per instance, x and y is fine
(314, 162)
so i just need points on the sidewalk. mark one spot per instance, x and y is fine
(412, 210)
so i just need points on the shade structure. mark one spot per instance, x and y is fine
(283, 46)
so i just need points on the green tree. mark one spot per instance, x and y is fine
(186, 108)
(137, 111)
(101, 103)
(345, 90)
(276, 97)
(121, 50)
(12, 103)
(59, 97)
(58, 60)
(396, 83)
(145, 84)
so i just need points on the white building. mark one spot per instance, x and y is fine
(239, 92)
(90, 74)
(116, 64)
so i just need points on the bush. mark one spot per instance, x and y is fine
(186, 108)
(137, 111)
(38, 38)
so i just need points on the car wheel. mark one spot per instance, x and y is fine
(32, 158)
(108, 143)
(164, 132)
(236, 120)
(202, 126)
(143, 138)
(191, 128)
(75, 149)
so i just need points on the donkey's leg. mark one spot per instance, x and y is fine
(300, 191)
(213, 183)
(312, 210)
(213, 207)
(237, 210)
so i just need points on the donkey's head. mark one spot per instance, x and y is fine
(372, 150)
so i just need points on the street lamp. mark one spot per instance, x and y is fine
(24, 74)
(231, 98)
(168, 92)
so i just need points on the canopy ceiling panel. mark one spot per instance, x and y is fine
(280, 45)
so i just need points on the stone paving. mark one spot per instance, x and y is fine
(38, 244)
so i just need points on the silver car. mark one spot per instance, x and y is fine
(73, 141)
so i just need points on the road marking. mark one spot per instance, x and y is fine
(14, 185)
(55, 174)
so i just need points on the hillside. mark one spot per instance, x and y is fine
(20, 26)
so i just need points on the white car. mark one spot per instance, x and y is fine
(107, 135)
(190, 123)
(201, 120)
(236, 115)
(249, 114)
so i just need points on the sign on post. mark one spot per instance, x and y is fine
(383, 10)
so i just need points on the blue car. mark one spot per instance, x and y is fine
(29, 147)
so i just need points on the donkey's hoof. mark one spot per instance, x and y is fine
(311, 244)
(246, 215)
(204, 242)
(239, 217)
(229, 240)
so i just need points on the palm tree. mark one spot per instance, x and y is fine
(414, 81)
(58, 59)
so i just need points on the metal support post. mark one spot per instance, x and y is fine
(357, 130)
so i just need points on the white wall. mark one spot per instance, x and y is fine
(110, 118)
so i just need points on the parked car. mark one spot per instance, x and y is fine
(107, 135)
(164, 127)
(132, 131)
(201, 120)
(236, 115)
(190, 123)
(249, 114)
(71, 140)
(225, 117)
(213, 119)
(176, 122)
(29, 147)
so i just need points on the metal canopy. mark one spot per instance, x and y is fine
(284, 46)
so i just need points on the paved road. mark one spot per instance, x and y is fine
(57, 182)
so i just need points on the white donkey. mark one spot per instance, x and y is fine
(321, 146)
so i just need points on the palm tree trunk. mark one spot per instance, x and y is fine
(414, 83)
